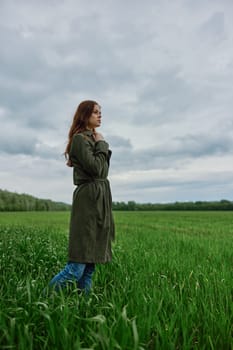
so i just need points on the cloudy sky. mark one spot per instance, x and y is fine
(162, 71)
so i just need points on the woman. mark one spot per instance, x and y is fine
(91, 224)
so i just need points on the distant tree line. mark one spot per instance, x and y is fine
(223, 204)
(11, 201)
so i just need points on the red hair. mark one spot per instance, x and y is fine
(80, 122)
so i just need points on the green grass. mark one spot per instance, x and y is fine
(169, 285)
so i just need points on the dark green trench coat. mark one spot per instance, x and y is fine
(91, 224)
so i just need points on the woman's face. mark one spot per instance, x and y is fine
(95, 118)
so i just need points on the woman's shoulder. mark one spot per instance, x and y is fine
(84, 136)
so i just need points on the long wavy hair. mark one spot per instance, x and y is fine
(79, 124)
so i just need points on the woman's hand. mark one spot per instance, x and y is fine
(98, 137)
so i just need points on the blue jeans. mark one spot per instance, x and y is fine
(79, 273)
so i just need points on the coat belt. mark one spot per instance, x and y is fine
(86, 181)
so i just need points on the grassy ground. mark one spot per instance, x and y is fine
(169, 285)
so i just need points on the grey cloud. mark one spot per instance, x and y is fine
(194, 182)
(17, 145)
(167, 97)
(208, 186)
(45, 151)
(202, 145)
(119, 142)
(15, 140)
(37, 70)
(213, 29)
(29, 147)
(176, 153)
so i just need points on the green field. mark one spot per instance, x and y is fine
(169, 285)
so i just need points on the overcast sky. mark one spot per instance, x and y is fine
(162, 71)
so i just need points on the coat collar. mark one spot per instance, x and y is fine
(88, 132)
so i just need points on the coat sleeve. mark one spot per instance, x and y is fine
(91, 159)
